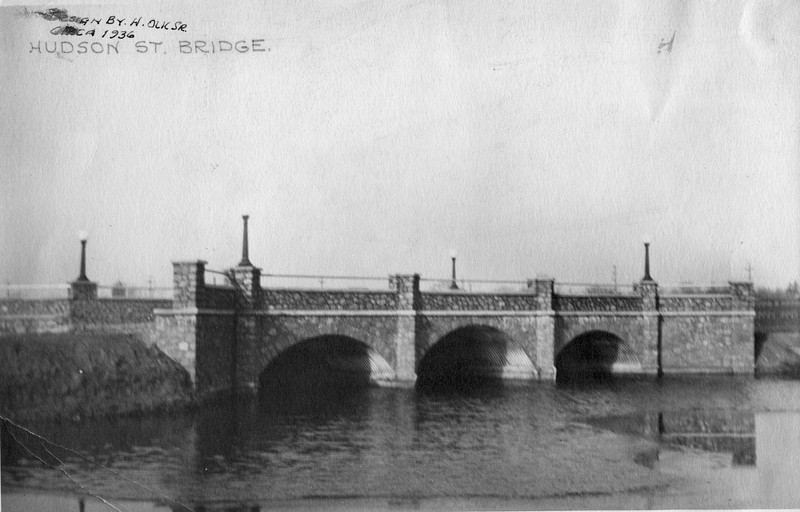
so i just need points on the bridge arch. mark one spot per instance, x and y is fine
(474, 353)
(325, 360)
(595, 354)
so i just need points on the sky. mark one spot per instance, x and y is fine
(373, 138)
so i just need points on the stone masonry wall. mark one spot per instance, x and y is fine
(277, 333)
(597, 303)
(105, 313)
(188, 277)
(19, 316)
(65, 315)
(629, 329)
(704, 343)
(466, 301)
(521, 329)
(276, 299)
(709, 332)
(699, 302)
(175, 334)
(405, 333)
(13, 307)
(215, 352)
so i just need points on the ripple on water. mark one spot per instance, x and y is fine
(524, 441)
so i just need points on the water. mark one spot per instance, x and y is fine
(675, 443)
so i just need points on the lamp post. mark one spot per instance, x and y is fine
(245, 258)
(453, 285)
(83, 236)
(646, 241)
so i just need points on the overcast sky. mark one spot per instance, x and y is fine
(374, 137)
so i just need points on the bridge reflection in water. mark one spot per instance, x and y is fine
(330, 442)
(768, 441)
(719, 431)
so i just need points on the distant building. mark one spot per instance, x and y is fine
(118, 290)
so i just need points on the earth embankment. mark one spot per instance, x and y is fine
(74, 376)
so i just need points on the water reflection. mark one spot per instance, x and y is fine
(778, 455)
(716, 431)
(527, 441)
(223, 507)
(721, 431)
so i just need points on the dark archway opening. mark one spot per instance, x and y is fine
(473, 356)
(593, 356)
(321, 373)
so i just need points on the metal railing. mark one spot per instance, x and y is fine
(35, 291)
(594, 289)
(322, 282)
(474, 285)
(217, 278)
(327, 282)
(121, 291)
(694, 289)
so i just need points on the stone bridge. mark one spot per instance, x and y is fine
(235, 336)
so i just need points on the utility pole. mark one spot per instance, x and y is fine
(749, 269)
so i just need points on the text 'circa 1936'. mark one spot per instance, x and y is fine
(111, 27)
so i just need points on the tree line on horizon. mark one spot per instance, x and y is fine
(792, 291)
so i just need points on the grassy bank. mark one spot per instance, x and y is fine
(74, 376)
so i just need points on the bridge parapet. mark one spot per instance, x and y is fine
(407, 289)
(545, 292)
(247, 281)
(188, 278)
(335, 300)
(703, 302)
(482, 301)
(743, 294)
(191, 289)
(737, 296)
(598, 303)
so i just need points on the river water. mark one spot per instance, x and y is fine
(719, 442)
